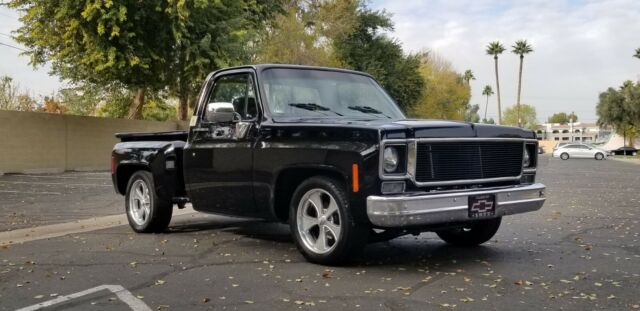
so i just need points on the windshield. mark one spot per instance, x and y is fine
(308, 93)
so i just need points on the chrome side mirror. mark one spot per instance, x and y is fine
(221, 112)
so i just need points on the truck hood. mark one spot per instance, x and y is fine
(414, 128)
(451, 129)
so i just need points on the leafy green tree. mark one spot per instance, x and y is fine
(304, 32)
(113, 100)
(159, 109)
(521, 47)
(209, 35)
(489, 121)
(9, 93)
(11, 98)
(471, 114)
(445, 96)
(526, 119)
(573, 117)
(82, 99)
(487, 91)
(368, 49)
(496, 48)
(560, 117)
(100, 42)
(632, 102)
(468, 76)
(563, 118)
(620, 108)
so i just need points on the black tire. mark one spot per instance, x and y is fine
(564, 156)
(160, 211)
(475, 233)
(352, 236)
(599, 156)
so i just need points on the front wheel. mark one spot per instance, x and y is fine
(475, 233)
(321, 222)
(564, 156)
(599, 156)
(146, 211)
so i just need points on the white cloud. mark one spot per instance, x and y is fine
(581, 47)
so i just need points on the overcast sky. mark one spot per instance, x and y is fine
(580, 47)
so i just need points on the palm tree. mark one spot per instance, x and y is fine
(468, 76)
(496, 48)
(637, 55)
(521, 47)
(487, 92)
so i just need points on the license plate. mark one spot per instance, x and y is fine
(481, 206)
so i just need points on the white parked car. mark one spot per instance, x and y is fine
(580, 151)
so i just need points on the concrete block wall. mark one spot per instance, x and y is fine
(33, 142)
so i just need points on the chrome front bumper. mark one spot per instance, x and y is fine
(433, 209)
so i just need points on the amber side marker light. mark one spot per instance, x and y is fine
(355, 179)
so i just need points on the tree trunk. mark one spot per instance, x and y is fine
(135, 110)
(192, 101)
(486, 106)
(498, 91)
(519, 89)
(183, 107)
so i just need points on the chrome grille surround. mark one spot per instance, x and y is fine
(412, 160)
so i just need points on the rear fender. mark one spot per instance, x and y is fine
(162, 159)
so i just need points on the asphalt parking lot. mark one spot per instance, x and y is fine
(34, 200)
(580, 252)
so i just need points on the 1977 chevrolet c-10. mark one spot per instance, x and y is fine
(329, 152)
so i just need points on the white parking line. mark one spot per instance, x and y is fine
(122, 293)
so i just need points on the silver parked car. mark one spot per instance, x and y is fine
(580, 151)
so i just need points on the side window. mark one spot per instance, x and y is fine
(237, 92)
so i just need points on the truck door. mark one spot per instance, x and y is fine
(218, 159)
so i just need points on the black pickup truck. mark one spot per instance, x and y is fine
(328, 152)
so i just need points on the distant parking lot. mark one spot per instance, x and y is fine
(580, 252)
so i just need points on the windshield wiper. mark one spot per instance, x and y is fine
(368, 110)
(312, 107)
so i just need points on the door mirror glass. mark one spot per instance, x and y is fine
(232, 99)
(221, 112)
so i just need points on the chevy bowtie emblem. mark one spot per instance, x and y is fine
(482, 206)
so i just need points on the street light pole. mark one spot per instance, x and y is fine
(571, 128)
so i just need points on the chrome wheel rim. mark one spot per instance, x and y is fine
(139, 202)
(318, 221)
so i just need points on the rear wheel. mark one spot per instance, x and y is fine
(564, 156)
(599, 156)
(146, 211)
(473, 234)
(321, 222)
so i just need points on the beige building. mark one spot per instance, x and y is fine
(578, 131)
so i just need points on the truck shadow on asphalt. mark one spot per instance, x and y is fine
(425, 249)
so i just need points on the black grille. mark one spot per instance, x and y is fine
(448, 161)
